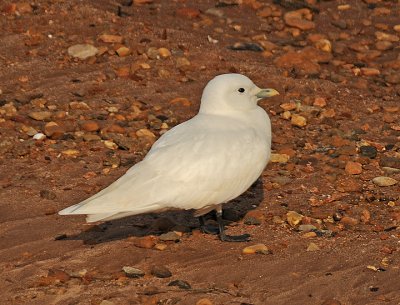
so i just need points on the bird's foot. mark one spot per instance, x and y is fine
(235, 238)
(207, 229)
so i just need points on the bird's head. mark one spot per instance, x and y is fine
(227, 92)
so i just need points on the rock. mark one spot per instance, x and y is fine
(70, 152)
(386, 36)
(204, 302)
(383, 45)
(279, 158)
(312, 247)
(160, 272)
(182, 63)
(353, 168)
(82, 51)
(300, 19)
(370, 71)
(305, 61)
(390, 170)
(293, 218)
(181, 284)
(48, 194)
(53, 130)
(384, 181)
(319, 102)
(146, 242)
(40, 115)
(59, 275)
(110, 144)
(390, 162)
(90, 126)
(348, 221)
(145, 133)
(306, 228)
(170, 236)
(310, 234)
(298, 120)
(160, 247)
(258, 248)
(324, 45)
(106, 302)
(39, 136)
(180, 101)
(79, 105)
(132, 272)
(254, 217)
(111, 38)
(164, 52)
(91, 137)
(368, 151)
(246, 46)
(123, 51)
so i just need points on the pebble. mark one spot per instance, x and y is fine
(161, 272)
(300, 19)
(144, 132)
(319, 102)
(145, 242)
(164, 52)
(82, 51)
(106, 302)
(123, 51)
(70, 152)
(160, 247)
(386, 36)
(384, 181)
(279, 158)
(111, 38)
(204, 301)
(182, 63)
(370, 71)
(309, 235)
(368, 151)
(170, 236)
(181, 284)
(53, 130)
(90, 126)
(110, 144)
(298, 120)
(40, 115)
(293, 218)
(48, 194)
(306, 228)
(312, 247)
(348, 221)
(324, 45)
(353, 168)
(246, 46)
(132, 272)
(39, 136)
(390, 170)
(188, 12)
(258, 248)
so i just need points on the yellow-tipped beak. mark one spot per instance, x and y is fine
(267, 93)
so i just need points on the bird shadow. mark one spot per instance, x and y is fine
(177, 220)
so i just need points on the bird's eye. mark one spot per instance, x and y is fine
(241, 90)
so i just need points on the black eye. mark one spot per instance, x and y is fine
(241, 90)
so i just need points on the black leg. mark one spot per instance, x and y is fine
(224, 237)
(207, 228)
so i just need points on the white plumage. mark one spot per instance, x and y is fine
(200, 164)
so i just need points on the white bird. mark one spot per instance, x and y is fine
(199, 164)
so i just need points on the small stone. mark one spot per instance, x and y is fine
(106, 302)
(279, 158)
(132, 272)
(40, 115)
(53, 130)
(145, 242)
(258, 248)
(293, 218)
(204, 302)
(368, 151)
(39, 136)
(160, 272)
(111, 38)
(145, 133)
(353, 168)
(82, 51)
(300, 19)
(188, 12)
(181, 101)
(246, 46)
(312, 247)
(79, 105)
(348, 221)
(90, 126)
(123, 51)
(390, 170)
(384, 181)
(306, 228)
(298, 120)
(181, 284)
(110, 144)
(386, 36)
(48, 194)
(309, 234)
(160, 247)
(319, 102)
(59, 275)
(91, 137)
(370, 71)
(324, 45)
(390, 162)
(170, 236)
(70, 152)
(182, 63)
(164, 52)
(397, 28)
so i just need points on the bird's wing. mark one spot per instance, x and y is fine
(186, 168)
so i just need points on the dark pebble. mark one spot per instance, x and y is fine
(181, 284)
(60, 237)
(246, 46)
(46, 194)
(161, 271)
(368, 151)
(390, 162)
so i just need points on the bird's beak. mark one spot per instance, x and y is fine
(263, 93)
